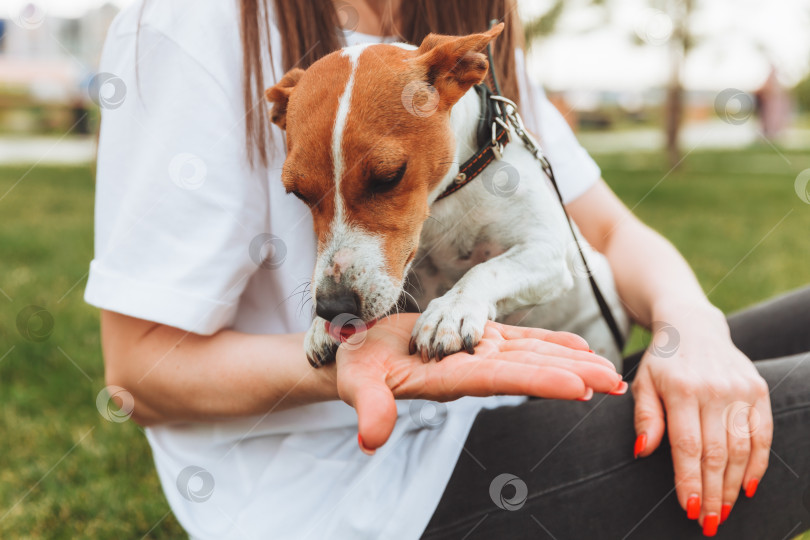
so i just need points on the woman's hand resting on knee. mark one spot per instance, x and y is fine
(377, 369)
(717, 409)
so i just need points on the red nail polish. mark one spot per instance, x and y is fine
(710, 523)
(590, 351)
(588, 395)
(363, 446)
(641, 444)
(693, 507)
(724, 512)
(620, 390)
(751, 487)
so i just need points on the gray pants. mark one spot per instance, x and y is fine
(576, 458)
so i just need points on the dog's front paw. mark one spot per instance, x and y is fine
(319, 345)
(449, 325)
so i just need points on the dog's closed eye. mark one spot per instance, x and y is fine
(300, 196)
(292, 180)
(381, 183)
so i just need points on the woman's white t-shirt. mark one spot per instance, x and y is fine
(182, 224)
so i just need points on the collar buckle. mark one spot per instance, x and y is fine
(497, 146)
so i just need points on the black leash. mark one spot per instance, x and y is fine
(618, 338)
(497, 115)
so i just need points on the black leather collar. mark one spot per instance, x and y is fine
(492, 137)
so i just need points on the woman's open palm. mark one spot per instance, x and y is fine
(374, 369)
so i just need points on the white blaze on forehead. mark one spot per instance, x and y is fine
(339, 164)
(352, 255)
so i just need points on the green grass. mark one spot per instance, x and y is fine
(65, 472)
(735, 216)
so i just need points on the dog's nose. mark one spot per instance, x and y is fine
(330, 306)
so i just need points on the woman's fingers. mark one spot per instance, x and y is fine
(538, 381)
(738, 427)
(367, 392)
(761, 423)
(554, 349)
(595, 375)
(683, 415)
(461, 375)
(566, 339)
(569, 340)
(715, 459)
(648, 416)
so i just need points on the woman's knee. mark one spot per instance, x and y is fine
(788, 381)
(775, 328)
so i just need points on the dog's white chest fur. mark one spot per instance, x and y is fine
(500, 248)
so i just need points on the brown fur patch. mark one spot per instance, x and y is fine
(381, 134)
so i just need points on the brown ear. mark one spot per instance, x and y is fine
(454, 64)
(279, 96)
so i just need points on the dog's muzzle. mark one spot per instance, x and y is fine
(332, 304)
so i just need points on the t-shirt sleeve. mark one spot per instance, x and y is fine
(574, 169)
(177, 203)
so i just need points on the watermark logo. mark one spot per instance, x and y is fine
(188, 171)
(665, 340)
(107, 90)
(501, 179)
(268, 251)
(734, 106)
(741, 419)
(106, 404)
(802, 186)
(499, 485)
(348, 330)
(35, 323)
(27, 15)
(195, 484)
(348, 17)
(654, 26)
(427, 414)
(573, 259)
(420, 98)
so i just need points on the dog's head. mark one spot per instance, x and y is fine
(368, 140)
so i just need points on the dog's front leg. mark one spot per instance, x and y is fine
(319, 345)
(524, 275)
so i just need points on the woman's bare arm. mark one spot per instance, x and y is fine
(651, 275)
(175, 375)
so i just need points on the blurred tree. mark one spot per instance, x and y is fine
(680, 43)
(803, 94)
(680, 40)
(543, 25)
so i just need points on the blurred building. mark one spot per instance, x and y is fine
(46, 63)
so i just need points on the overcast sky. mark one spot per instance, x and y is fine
(737, 42)
(594, 48)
